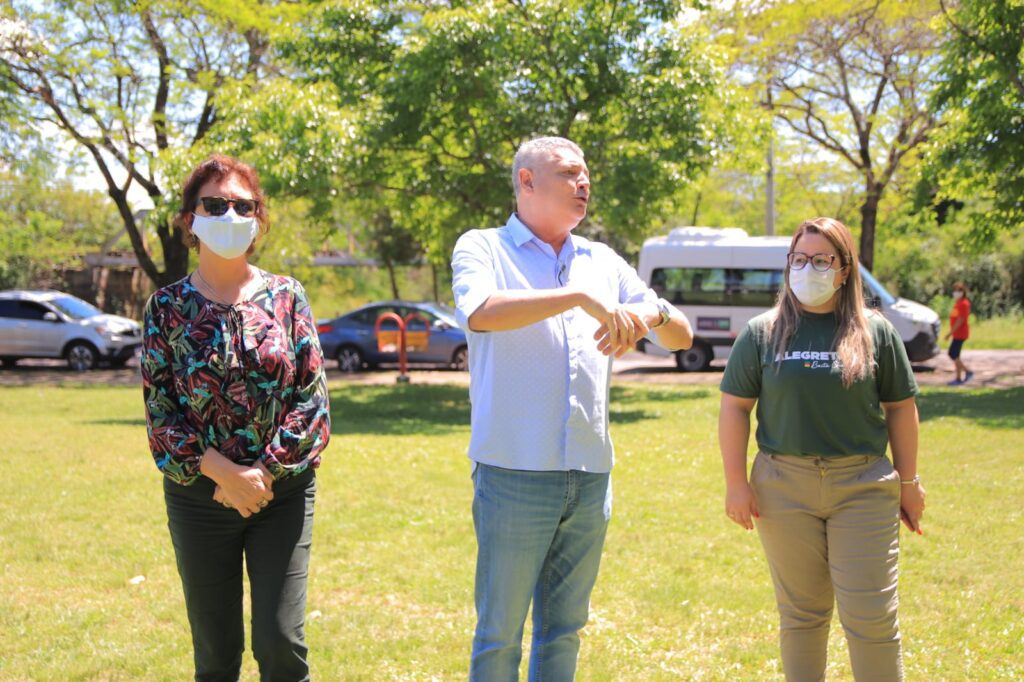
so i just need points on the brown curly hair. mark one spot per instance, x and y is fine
(216, 167)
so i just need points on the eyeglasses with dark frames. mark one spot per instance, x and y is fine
(218, 206)
(819, 261)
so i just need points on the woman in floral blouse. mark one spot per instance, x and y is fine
(237, 413)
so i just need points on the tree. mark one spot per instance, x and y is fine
(47, 225)
(130, 82)
(852, 77)
(981, 152)
(447, 91)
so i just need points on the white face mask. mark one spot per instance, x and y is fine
(228, 235)
(958, 294)
(812, 288)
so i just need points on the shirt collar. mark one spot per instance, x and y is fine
(521, 234)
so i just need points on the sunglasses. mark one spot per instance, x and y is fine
(219, 205)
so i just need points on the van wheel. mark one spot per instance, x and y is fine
(81, 356)
(696, 359)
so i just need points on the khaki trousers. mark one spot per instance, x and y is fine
(830, 530)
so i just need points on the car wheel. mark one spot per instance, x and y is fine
(349, 359)
(8, 363)
(460, 359)
(696, 359)
(81, 356)
(118, 363)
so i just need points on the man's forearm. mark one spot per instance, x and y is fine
(513, 309)
(676, 334)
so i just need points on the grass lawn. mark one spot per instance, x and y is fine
(683, 594)
(997, 332)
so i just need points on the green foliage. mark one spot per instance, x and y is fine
(47, 227)
(920, 260)
(849, 77)
(125, 83)
(446, 93)
(732, 194)
(980, 152)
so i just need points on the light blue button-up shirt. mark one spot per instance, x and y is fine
(539, 394)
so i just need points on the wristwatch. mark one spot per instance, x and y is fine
(665, 310)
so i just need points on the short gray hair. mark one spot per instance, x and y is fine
(529, 151)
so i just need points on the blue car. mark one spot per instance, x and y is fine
(351, 339)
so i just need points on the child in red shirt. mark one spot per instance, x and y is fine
(959, 330)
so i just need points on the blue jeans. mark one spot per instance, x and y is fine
(539, 536)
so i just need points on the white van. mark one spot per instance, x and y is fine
(720, 278)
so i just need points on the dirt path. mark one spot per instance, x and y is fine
(992, 368)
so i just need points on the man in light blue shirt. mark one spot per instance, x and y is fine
(544, 312)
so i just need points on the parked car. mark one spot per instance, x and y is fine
(351, 339)
(52, 324)
(723, 277)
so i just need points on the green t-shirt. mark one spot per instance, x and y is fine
(803, 408)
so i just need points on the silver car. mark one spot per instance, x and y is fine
(52, 324)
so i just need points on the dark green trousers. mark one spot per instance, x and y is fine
(210, 542)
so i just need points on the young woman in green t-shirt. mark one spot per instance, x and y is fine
(832, 386)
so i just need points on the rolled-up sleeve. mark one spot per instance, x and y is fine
(175, 433)
(473, 275)
(632, 289)
(304, 428)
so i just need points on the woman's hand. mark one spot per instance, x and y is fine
(246, 489)
(912, 506)
(740, 504)
(268, 482)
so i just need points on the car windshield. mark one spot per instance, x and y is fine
(444, 313)
(875, 286)
(75, 308)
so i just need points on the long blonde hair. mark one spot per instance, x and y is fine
(853, 342)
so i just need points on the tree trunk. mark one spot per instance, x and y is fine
(868, 220)
(394, 280)
(175, 259)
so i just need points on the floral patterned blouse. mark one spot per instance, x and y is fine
(246, 379)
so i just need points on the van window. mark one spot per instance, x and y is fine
(694, 286)
(754, 288)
